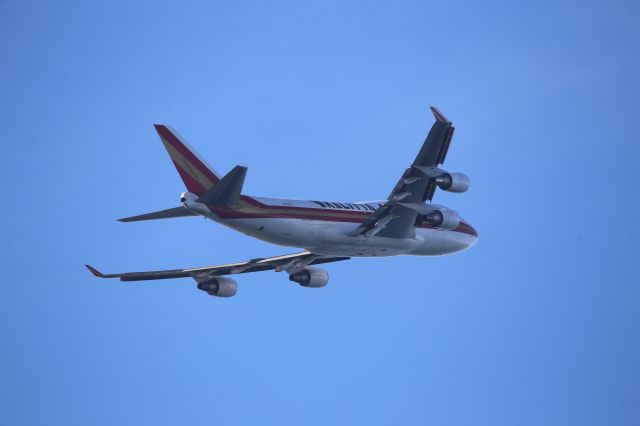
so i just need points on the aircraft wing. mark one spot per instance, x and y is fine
(289, 262)
(417, 185)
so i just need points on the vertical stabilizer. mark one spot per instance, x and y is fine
(196, 174)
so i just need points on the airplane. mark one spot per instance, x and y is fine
(406, 223)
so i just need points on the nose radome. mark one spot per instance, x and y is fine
(473, 231)
(466, 228)
(471, 235)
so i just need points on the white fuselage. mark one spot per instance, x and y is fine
(325, 228)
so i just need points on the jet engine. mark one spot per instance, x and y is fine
(310, 277)
(453, 182)
(219, 286)
(443, 219)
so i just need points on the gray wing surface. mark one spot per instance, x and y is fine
(416, 185)
(162, 214)
(277, 263)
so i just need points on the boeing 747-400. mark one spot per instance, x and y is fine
(406, 223)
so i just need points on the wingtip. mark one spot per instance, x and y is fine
(94, 271)
(438, 115)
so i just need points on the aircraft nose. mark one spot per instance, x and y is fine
(468, 229)
(473, 231)
(472, 234)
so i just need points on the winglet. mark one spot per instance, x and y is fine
(438, 115)
(94, 271)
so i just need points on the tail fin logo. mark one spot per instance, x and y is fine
(194, 171)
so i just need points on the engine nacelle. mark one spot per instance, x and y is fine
(453, 182)
(443, 219)
(219, 286)
(310, 277)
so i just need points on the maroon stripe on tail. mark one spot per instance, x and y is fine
(168, 136)
(191, 184)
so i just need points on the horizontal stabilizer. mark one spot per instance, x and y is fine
(162, 214)
(227, 191)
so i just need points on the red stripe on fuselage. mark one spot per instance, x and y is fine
(257, 203)
(291, 212)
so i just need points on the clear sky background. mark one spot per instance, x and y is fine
(538, 324)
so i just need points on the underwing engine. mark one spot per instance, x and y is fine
(310, 277)
(453, 182)
(219, 286)
(443, 219)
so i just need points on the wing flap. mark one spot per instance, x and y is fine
(445, 145)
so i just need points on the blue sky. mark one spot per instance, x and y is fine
(537, 324)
